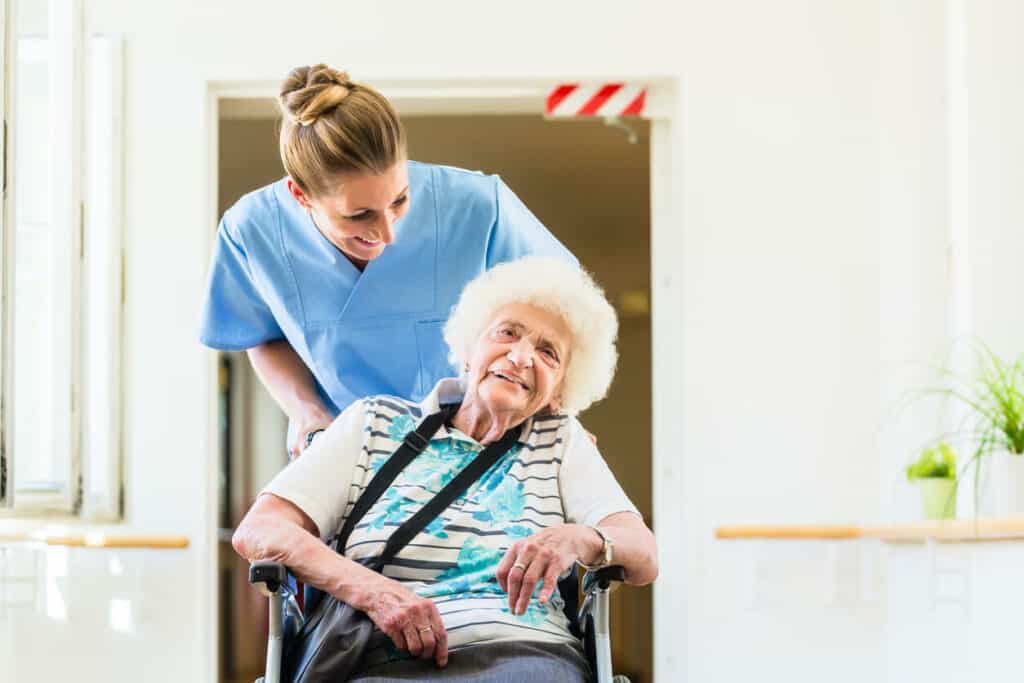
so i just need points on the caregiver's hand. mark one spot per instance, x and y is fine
(543, 556)
(312, 420)
(412, 622)
(293, 388)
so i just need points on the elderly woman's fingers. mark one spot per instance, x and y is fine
(521, 566)
(440, 638)
(419, 641)
(423, 631)
(550, 582)
(412, 622)
(534, 573)
(397, 637)
(515, 580)
(505, 565)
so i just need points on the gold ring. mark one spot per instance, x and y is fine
(520, 566)
(425, 629)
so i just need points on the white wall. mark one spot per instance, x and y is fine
(913, 232)
(780, 270)
(797, 121)
(995, 143)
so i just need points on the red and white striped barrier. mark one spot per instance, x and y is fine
(600, 99)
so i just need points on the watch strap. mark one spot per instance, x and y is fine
(605, 556)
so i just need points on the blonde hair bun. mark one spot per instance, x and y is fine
(333, 127)
(309, 92)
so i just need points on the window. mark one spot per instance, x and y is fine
(60, 441)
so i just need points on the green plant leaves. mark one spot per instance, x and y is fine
(938, 462)
(995, 398)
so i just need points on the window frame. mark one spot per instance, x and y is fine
(63, 47)
(6, 279)
(86, 219)
(104, 264)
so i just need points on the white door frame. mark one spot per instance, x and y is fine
(508, 96)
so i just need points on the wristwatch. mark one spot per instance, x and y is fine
(606, 555)
(312, 435)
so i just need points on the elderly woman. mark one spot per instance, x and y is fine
(535, 339)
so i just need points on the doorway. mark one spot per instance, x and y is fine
(591, 187)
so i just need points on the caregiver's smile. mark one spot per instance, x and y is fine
(360, 216)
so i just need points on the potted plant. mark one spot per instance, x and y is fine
(934, 472)
(993, 426)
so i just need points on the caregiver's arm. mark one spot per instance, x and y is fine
(292, 386)
(277, 530)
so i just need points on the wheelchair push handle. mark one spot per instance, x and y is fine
(603, 577)
(594, 618)
(595, 587)
(271, 574)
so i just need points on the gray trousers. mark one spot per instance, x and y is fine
(500, 662)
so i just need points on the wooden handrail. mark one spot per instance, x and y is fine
(927, 530)
(950, 530)
(102, 540)
(801, 531)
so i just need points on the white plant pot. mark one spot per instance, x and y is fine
(973, 498)
(1006, 484)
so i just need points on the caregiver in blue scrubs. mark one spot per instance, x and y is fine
(337, 279)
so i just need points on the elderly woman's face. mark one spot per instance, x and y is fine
(520, 360)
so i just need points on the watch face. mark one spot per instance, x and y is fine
(606, 548)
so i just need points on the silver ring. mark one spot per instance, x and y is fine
(520, 566)
(425, 629)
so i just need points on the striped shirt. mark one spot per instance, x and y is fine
(553, 475)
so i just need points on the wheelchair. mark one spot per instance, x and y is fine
(588, 621)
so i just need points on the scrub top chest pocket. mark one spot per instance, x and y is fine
(355, 359)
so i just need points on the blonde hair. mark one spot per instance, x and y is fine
(332, 126)
(556, 286)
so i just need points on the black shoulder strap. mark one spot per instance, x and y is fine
(455, 488)
(412, 445)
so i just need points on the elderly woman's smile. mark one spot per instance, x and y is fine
(515, 369)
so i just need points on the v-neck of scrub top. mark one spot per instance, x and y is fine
(399, 283)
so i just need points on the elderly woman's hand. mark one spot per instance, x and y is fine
(412, 622)
(543, 556)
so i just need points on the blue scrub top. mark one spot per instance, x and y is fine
(275, 276)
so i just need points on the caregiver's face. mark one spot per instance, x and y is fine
(359, 216)
(520, 360)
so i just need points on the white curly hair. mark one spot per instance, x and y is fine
(556, 286)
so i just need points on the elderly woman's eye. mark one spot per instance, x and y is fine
(550, 353)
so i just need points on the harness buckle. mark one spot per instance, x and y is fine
(415, 441)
